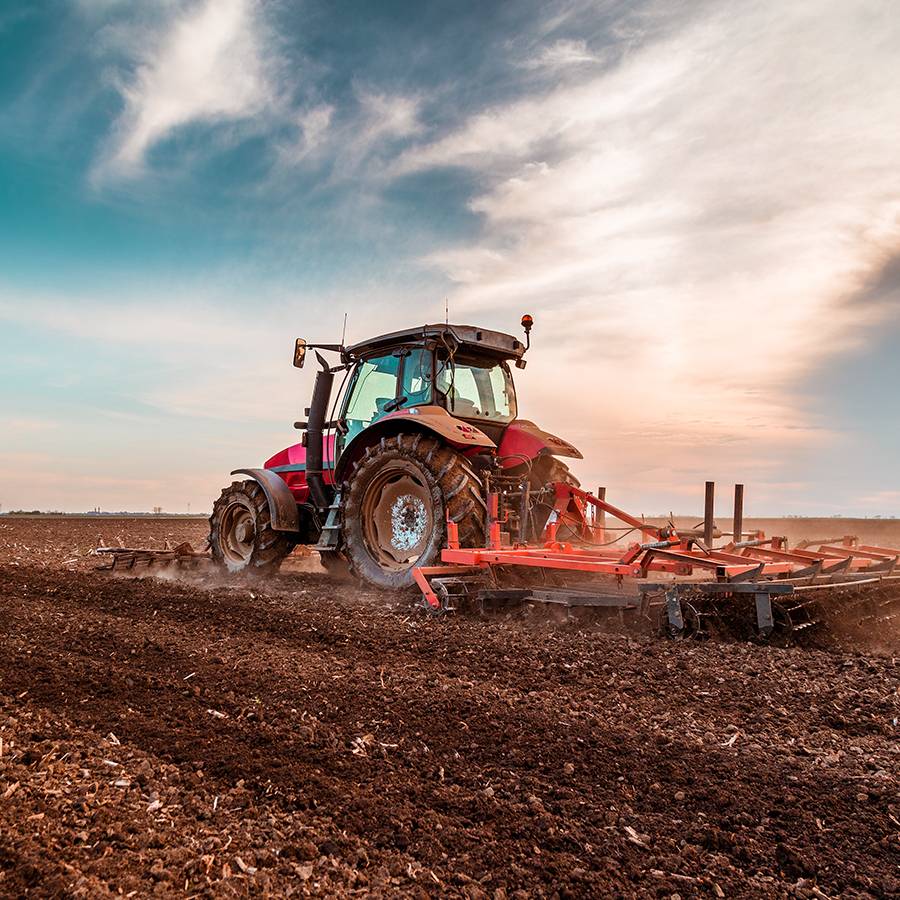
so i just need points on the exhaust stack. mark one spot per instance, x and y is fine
(315, 434)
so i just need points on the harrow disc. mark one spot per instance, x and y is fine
(686, 624)
(854, 608)
(453, 593)
(782, 632)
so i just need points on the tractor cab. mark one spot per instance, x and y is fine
(460, 369)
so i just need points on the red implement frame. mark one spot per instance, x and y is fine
(667, 552)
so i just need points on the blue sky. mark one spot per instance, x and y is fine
(699, 203)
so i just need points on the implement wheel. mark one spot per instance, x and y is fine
(240, 531)
(399, 495)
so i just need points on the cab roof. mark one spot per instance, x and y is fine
(469, 337)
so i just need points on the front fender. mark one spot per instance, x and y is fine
(435, 418)
(282, 505)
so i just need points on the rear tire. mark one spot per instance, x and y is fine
(546, 470)
(240, 531)
(398, 499)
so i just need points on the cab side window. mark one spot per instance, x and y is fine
(374, 386)
(417, 377)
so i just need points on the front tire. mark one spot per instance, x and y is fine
(240, 531)
(399, 496)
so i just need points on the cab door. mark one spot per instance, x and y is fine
(373, 385)
(381, 384)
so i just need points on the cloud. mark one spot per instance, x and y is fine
(380, 120)
(696, 201)
(20, 425)
(311, 133)
(172, 392)
(368, 130)
(217, 62)
(190, 321)
(388, 115)
(690, 227)
(206, 66)
(881, 500)
(208, 361)
(98, 7)
(561, 54)
(195, 352)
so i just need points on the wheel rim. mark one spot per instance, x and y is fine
(398, 519)
(238, 533)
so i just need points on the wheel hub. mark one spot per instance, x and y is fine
(238, 533)
(408, 522)
(398, 518)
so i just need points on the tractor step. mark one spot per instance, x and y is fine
(329, 538)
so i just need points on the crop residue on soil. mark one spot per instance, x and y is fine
(306, 736)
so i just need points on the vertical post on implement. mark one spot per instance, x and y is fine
(550, 528)
(601, 516)
(709, 513)
(765, 621)
(673, 612)
(493, 529)
(452, 534)
(738, 513)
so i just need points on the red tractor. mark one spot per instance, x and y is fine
(424, 422)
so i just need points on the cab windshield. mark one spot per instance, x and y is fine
(476, 389)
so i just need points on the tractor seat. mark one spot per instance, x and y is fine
(464, 409)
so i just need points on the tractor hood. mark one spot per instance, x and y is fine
(290, 465)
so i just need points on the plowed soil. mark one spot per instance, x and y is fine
(201, 738)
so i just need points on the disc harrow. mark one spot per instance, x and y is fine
(129, 559)
(758, 588)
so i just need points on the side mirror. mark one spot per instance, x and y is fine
(299, 353)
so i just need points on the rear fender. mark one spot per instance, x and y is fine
(282, 505)
(423, 419)
(523, 441)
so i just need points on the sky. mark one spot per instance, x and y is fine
(698, 202)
